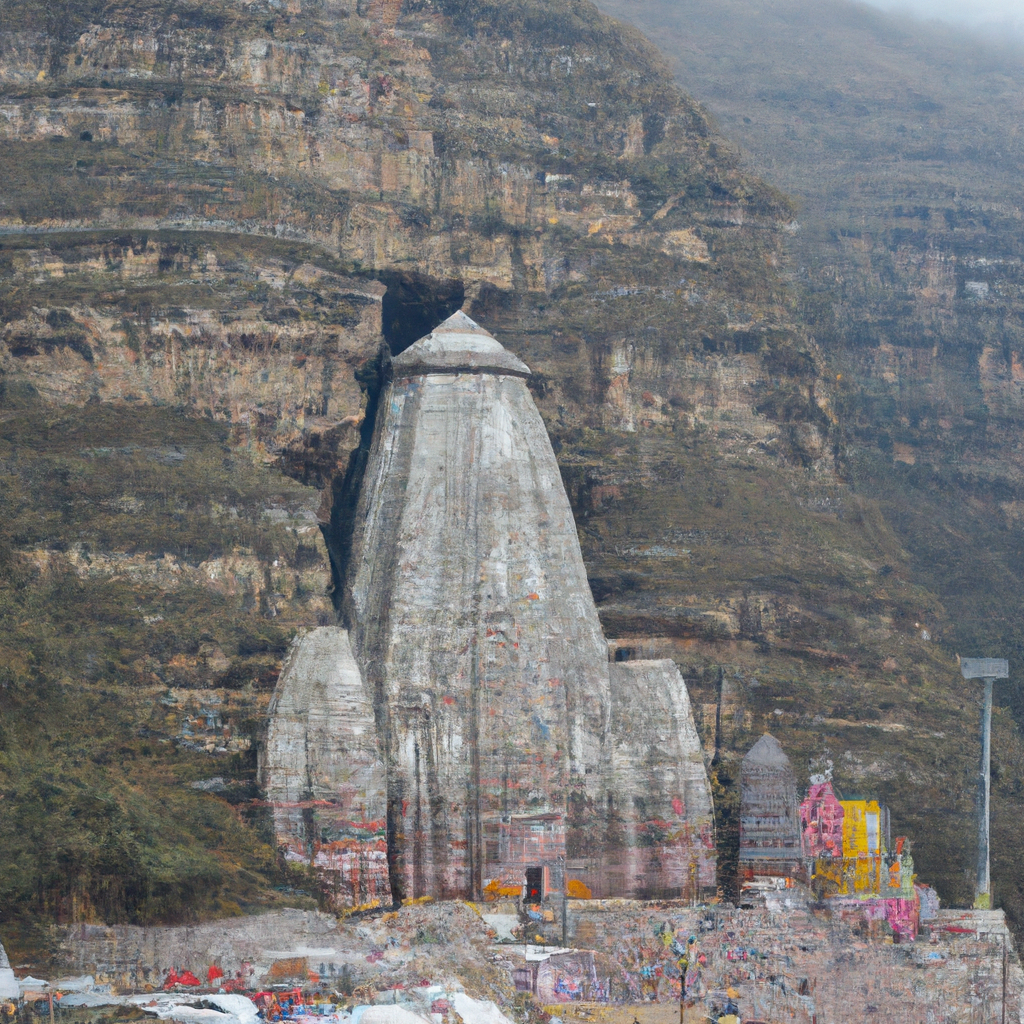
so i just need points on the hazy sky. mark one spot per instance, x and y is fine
(971, 11)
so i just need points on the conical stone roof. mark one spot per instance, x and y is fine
(506, 740)
(459, 345)
(766, 753)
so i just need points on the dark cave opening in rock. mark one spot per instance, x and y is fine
(414, 305)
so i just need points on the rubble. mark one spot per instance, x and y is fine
(790, 959)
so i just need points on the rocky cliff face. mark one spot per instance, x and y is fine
(264, 344)
(199, 206)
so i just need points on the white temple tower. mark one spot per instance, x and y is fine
(8, 982)
(479, 642)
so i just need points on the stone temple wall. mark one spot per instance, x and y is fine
(474, 623)
(322, 771)
(512, 749)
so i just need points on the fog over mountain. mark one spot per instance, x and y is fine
(985, 14)
(900, 139)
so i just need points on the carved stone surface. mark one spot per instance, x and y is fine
(478, 636)
(321, 768)
(473, 618)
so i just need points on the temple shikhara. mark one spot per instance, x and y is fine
(769, 813)
(468, 735)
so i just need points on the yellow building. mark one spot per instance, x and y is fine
(862, 828)
(863, 869)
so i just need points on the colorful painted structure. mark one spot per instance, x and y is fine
(821, 821)
(769, 814)
(851, 862)
(846, 840)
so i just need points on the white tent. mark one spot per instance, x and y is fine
(195, 1009)
(477, 1011)
(390, 1014)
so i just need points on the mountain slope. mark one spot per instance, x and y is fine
(901, 141)
(215, 218)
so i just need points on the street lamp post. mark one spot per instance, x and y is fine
(988, 670)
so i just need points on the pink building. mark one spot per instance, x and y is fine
(821, 821)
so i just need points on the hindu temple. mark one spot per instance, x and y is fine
(511, 754)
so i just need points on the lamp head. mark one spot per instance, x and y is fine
(984, 668)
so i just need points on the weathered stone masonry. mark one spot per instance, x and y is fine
(512, 748)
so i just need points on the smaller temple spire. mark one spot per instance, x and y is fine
(767, 752)
(769, 813)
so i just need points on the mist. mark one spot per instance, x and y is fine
(976, 13)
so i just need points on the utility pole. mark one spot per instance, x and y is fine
(988, 670)
(565, 899)
(1002, 1012)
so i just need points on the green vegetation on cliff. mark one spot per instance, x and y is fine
(99, 820)
(197, 203)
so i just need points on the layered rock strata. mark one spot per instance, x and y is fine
(473, 621)
(263, 343)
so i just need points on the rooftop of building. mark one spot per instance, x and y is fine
(767, 752)
(459, 345)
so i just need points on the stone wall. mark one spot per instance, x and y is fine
(322, 772)
(660, 782)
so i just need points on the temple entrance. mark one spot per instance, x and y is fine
(534, 885)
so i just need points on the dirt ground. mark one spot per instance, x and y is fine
(642, 1013)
